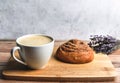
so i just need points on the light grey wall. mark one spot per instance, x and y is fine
(62, 19)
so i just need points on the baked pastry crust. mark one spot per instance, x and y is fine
(75, 51)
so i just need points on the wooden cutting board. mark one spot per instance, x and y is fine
(100, 69)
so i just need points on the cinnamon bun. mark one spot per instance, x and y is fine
(75, 51)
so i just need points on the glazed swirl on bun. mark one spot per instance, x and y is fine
(75, 51)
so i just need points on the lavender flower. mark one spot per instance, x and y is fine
(103, 44)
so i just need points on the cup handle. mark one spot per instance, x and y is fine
(13, 55)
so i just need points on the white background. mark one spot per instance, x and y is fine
(62, 19)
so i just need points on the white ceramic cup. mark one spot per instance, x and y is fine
(35, 57)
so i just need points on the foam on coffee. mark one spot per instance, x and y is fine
(34, 40)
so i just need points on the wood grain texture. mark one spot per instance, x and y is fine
(100, 69)
(114, 57)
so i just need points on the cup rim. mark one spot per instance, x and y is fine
(17, 40)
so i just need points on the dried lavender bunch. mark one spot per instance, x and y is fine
(104, 44)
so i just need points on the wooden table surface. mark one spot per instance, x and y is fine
(7, 45)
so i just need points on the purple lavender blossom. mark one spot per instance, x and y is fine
(103, 44)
